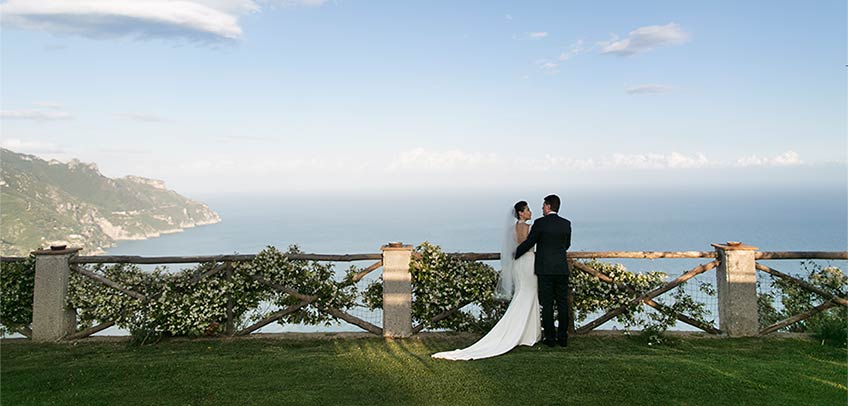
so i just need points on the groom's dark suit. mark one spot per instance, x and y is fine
(551, 235)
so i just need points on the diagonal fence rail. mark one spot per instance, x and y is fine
(829, 299)
(225, 264)
(646, 298)
(736, 268)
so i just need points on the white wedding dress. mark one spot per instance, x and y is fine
(520, 325)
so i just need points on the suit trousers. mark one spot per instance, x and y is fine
(554, 288)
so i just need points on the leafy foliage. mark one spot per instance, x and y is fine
(591, 296)
(309, 278)
(441, 282)
(787, 299)
(17, 280)
(175, 306)
(181, 303)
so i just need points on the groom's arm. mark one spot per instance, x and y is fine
(531, 240)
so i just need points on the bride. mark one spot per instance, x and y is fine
(520, 324)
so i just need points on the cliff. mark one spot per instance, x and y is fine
(45, 201)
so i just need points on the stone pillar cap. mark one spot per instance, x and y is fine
(396, 246)
(734, 246)
(65, 251)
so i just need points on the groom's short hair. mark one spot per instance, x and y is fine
(553, 201)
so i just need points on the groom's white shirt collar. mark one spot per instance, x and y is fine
(553, 212)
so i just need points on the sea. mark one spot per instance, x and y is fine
(616, 219)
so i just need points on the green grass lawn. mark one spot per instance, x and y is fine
(368, 371)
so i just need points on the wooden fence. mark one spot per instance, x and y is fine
(224, 263)
(735, 267)
(829, 299)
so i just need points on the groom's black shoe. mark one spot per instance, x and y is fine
(549, 343)
(563, 342)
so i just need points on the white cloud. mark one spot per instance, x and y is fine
(673, 160)
(657, 161)
(537, 35)
(576, 49)
(295, 3)
(240, 139)
(442, 161)
(644, 39)
(194, 19)
(650, 88)
(126, 151)
(456, 163)
(306, 3)
(265, 166)
(149, 118)
(551, 163)
(49, 104)
(415, 168)
(30, 147)
(35, 114)
(508, 17)
(551, 68)
(789, 158)
(426, 160)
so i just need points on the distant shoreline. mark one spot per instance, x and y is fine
(154, 235)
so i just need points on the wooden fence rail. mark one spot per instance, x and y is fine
(830, 300)
(125, 259)
(392, 257)
(802, 255)
(648, 301)
(647, 296)
(12, 259)
(804, 285)
(494, 256)
(227, 268)
(470, 256)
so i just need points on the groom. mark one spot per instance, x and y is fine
(551, 235)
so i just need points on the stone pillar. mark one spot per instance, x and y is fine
(51, 319)
(397, 290)
(736, 282)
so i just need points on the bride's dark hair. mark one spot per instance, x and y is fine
(519, 207)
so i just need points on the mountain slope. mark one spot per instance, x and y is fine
(44, 201)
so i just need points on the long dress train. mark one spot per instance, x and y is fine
(520, 325)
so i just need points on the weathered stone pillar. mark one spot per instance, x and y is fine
(51, 319)
(736, 282)
(397, 290)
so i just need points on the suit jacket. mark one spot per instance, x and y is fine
(552, 237)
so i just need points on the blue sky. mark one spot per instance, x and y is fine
(247, 95)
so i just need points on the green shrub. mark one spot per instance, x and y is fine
(830, 326)
(174, 305)
(591, 296)
(441, 282)
(177, 307)
(17, 280)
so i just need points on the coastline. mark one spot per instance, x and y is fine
(182, 228)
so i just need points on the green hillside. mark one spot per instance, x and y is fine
(46, 201)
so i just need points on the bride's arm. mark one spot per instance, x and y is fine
(521, 231)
